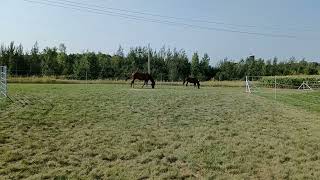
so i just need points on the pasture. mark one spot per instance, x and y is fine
(103, 131)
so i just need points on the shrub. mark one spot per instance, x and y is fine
(289, 81)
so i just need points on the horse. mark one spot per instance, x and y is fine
(192, 80)
(142, 76)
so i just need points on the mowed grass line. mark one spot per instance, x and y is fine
(115, 132)
(304, 99)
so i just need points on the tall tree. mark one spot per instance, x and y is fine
(184, 67)
(120, 51)
(34, 60)
(12, 62)
(166, 64)
(50, 65)
(195, 66)
(21, 67)
(63, 65)
(204, 67)
(275, 66)
(268, 68)
(81, 68)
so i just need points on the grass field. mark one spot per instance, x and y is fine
(103, 131)
(62, 80)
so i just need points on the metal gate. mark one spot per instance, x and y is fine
(3, 81)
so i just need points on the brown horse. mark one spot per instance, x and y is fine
(192, 80)
(142, 76)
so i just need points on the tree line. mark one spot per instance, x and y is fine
(166, 64)
(231, 70)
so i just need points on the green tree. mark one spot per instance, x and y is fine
(166, 64)
(81, 68)
(227, 70)
(268, 68)
(105, 65)
(275, 66)
(62, 59)
(50, 65)
(116, 62)
(94, 65)
(120, 52)
(195, 66)
(12, 62)
(172, 65)
(205, 67)
(184, 67)
(21, 66)
(34, 60)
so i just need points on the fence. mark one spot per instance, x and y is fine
(3, 81)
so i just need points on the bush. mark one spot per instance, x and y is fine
(289, 81)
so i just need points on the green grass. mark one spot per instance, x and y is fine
(103, 131)
(62, 80)
(303, 99)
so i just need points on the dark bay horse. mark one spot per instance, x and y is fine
(192, 80)
(142, 76)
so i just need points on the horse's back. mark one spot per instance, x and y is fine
(140, 76)
(192, 80)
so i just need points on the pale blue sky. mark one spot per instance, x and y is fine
(25, 23)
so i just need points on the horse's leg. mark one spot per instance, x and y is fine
(145, 82)
(194, 84)
(187, 83)
(132, 83)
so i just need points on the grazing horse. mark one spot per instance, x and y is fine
(192, 80)
(142, 76)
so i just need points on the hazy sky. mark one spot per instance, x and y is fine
(25, 23)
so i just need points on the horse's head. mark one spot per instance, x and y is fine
(128, 77)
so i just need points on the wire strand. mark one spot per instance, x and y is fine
(185, 19)
(140, 18)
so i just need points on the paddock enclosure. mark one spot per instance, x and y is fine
(112, 131)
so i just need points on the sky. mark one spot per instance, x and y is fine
(294, 22)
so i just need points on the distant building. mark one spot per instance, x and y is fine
(251, 57)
